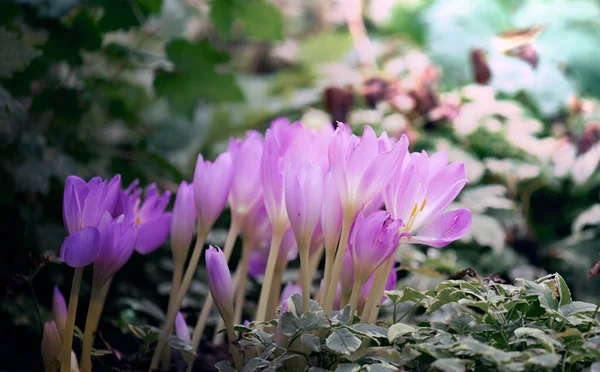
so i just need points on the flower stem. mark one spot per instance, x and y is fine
(175, 283)
(371, 309)
(201, 323)
(67, 346)
(261, 312)
(275, 295)
(337, 263)
(185, 285)
(242, 273)
(305, 275)
(356, 290)
(93, 316)
(235, 352)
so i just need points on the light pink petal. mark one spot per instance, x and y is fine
(337, 160)
(444, 229)
(448, 175)
(181, 328)
(362, 156)
(437, 162)
(331, 220)
(435, 207)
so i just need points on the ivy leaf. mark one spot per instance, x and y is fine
(399, 329)
(577, 307)
(449, 365)
(15, 55)
(342, 316)
(311, 341)
(542, 338)
(311, 321)
(194, 77)
(289, 323)
(342, 341)
(371, 331)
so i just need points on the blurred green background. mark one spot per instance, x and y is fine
(140, 87)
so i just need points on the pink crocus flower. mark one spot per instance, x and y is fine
(181, 328)
(421, 192)
(183, 222)
(246, 187)
(212, 183)
(154, 223)
(362, 167)
(59, 309)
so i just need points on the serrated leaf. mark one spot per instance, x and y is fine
(449, 365)
(397, 330)
(343, 342)
(15, 55)
(311, 341)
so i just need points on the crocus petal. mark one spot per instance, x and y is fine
(59, 309)
(51, 343)
(432, 209)
(337, 160)
(72, 205)
(444, 229)
(272, 178)
(331, 219)
(246, 187)
(153, 234)
(80, 248)
(362, 156)
(437, 162)
(448, 175)
(181, 328)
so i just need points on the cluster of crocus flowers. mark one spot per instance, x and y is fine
(104, 225)
(297, 191)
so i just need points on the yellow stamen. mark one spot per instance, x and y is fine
(424, 204)
(414, 211)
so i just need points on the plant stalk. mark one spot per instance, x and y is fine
(338, 261)
(263, 303)
(67, 346)
(305, 275)
(240, 296)
(185, 285)
(93, 317)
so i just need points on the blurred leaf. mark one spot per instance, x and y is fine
(590, 216)
(124, 14)
(260, 19)
(66, 41)
(449, 365)
(399, 329)
(15, 55)
(12, 118)
(325, 47)
(195, 77)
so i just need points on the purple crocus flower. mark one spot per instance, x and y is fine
(212, 183)
(59, 309)
(181, 328)
(421, 192)
(183, 222)
(117, 239)
(154, 223)
(83, 206)
(246, 187)
(361, 167)
(219, 282)
(373, 240)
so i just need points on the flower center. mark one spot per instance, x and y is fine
(138, 220)
(413, 215)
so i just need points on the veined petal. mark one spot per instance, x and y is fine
(448, 175)
(71, 206)
(152, 234)
(433, 209)
(81, 248)
(444, 229)
(362, 156)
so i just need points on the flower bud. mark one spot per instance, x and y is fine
(59, 309)
(219, 282)
(212, 183)
(181, 328)
(51, 343)
(183, 221)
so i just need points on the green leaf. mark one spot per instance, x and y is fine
(224, 366)
(446, 296)
(371, 330)
(449, 365)
(342, 316)
(289, 323)
(260, 19)
(256, 364)
(542, 338)
(314, 320)
(15, 55)
(577, 307)
(343, 342)
(179, 344)
(123, 15)
(222, 16)
(13, 118)
(542, 292)
(144, 306)
(563, 291)
(399, 329)
(195, 77)
(311, 341)
(325, 47)
(545, 360)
